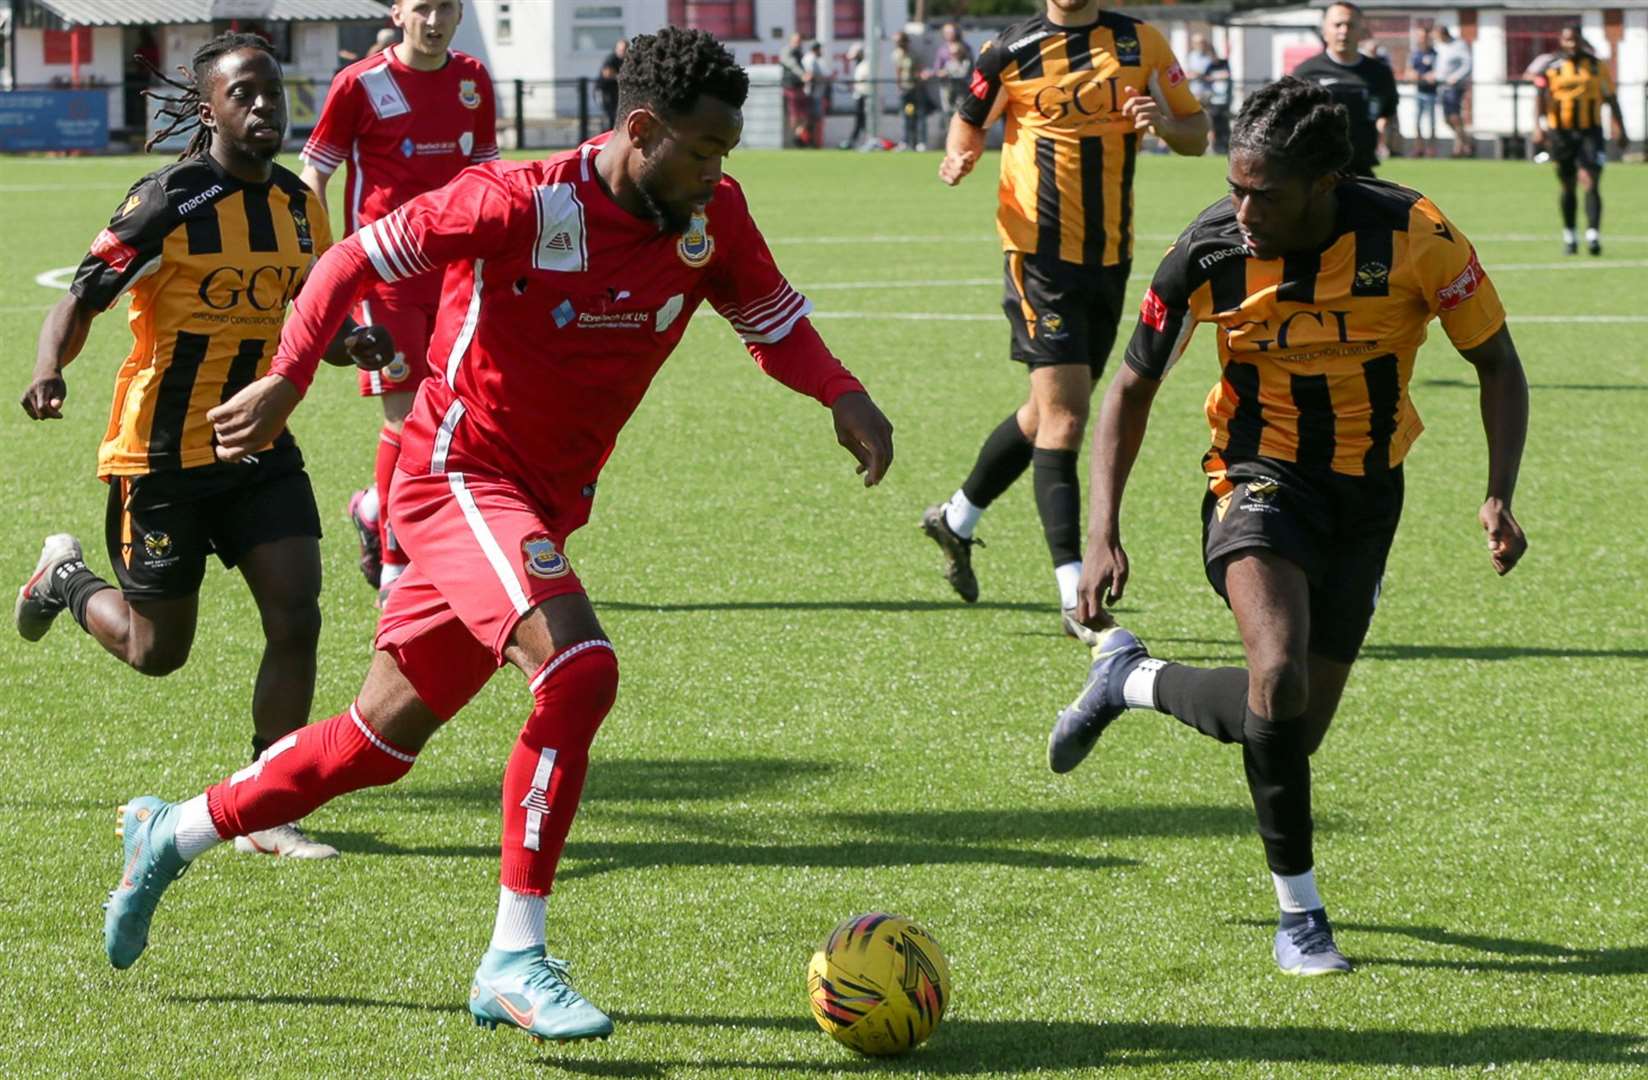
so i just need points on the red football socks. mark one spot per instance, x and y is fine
(389, 452)
(571, 694)
(301, 771)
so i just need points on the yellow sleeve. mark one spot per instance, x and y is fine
(1170, 77)
(321, 227)
(1457, 289)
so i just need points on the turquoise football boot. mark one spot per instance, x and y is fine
(149, 826)
(529, 990)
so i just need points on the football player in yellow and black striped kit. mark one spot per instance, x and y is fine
(212, 249)
(1080, 87)
(1319, 288)
(1568, 125)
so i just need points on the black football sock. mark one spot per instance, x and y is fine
(1211, 700)
(1570, 207)
(259, 745)
(1058, 501)
(1001, 460)
(1593, 208)
(1278, 778)
(74, 584)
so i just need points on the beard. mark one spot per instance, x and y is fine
(673, 219)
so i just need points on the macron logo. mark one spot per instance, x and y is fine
(200, 200)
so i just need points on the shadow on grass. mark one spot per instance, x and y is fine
(1439, 652)
(1102, 822)
(621, 780)
(1531, 957)
(890, 606)
(593, 858)
(966, 1047)
(1464, 384)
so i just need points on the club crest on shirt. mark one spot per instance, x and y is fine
(542, 560)
(468, 96)
(697, 245)
(1372, 275)
(1127, 51)
(306, 240)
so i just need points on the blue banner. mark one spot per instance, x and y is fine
(54, 120)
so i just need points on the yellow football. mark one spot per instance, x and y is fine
(878, 984)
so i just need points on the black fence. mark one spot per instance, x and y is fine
(1496, 118)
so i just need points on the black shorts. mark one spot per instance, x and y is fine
(161, 527)
(1578, 148)
(1337, 529)
(1063, 313)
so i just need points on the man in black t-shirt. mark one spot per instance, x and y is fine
(1364, 85)
(607, 82)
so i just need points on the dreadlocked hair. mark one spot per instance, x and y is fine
(670, 70)
(1295, 125)
(182, 109)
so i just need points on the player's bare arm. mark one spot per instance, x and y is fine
(866, 433)
(1184, 135)
(964, 143)
(1612, 101)
(315, 181)
(1505, 422)
(62, 336)
(1116, 440)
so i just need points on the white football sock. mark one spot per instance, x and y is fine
(520, 922)
(1297, 893)
(961, 515)
(1592, 236)
(368, 505)
(1069, 576)
(1139, 688)
(195, 833)
(1569, 236)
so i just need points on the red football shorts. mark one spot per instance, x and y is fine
(410, 320)
(481, 559)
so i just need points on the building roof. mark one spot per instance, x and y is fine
(165, 12)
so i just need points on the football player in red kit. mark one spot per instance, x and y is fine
(406, 120)
(568, 283)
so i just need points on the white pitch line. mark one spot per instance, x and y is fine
(14, 189)
(949, 316)
(59, 278)
(1154, 238)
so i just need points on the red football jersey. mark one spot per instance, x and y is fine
(402, 131)
(558, 308)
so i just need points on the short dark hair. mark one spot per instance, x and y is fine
(1355, 9)
(1296, 125)
(193, 86)
(670, 70)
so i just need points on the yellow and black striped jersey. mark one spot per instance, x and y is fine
(1317, 348)
(212, 263)
(1068, 155)
(1575, 88)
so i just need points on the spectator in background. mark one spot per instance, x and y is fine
(816, 81)
(386, 38)
(793, 81)
(1422, 73)
(1210, 82)
(907, 77)
(863, 92)
(949, 38)
(607, 82)
(1453, 80)
(952, 66)
(1364, 85)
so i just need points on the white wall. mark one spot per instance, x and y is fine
(106, 64)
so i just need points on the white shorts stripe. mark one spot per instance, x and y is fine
(567, 654)
(443, 436)
(466, 333)
(372, 737)
(489, 544)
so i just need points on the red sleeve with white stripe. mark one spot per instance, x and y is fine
(751, 293)
(486, 125)
(330, 142)
(330, 290)
(467, 219)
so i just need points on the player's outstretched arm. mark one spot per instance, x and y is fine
(866, 433)
(1505, 421)
(62, 336)
(1117, 436)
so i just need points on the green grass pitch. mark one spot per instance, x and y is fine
(811, 726)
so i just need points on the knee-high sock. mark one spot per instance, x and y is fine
(1593, 208)
(389, 452)
(571, 694)
(1211, 700)
(301, 771)
(1278, 778)
(1570, 206)
(1001, 460)
(1058, 500)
